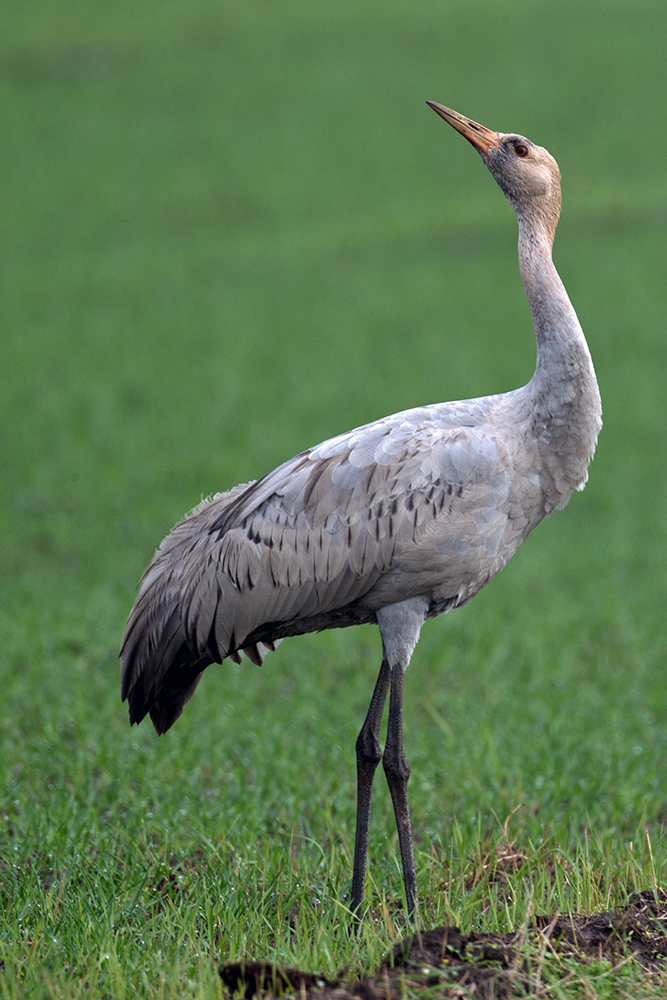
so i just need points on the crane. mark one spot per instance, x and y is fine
(395, 522)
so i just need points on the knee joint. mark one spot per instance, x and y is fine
(396, 767)
(368, 749)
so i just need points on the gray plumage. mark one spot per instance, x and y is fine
(399, 520)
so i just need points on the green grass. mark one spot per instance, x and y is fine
(228, 232)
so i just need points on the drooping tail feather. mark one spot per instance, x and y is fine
(159, 677)
(159, 667)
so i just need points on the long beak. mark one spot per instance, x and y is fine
(481, 138)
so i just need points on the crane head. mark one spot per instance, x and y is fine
(527, 174)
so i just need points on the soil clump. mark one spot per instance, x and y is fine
(447, 963)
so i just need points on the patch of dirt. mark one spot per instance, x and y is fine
(485, 966)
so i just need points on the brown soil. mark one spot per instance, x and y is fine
(447, 963)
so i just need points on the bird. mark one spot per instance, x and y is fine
(397, 521)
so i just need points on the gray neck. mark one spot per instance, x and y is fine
(564, 391)
(556, 323)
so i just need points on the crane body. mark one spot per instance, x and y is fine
(394, 522)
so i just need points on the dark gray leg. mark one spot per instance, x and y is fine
(397, 771)
(369, 754)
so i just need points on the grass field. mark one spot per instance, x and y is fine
(228, 232)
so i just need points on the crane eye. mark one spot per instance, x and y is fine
(521, 150)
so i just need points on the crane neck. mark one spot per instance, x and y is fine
(562, 351)
(553, 314)
(564, 395)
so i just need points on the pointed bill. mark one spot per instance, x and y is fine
(481, 138)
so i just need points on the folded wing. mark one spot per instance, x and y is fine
(318, 543)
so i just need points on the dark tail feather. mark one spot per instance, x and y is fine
(178, 686)
(159, 670)
(162, 661)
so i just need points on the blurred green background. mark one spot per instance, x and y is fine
(231, 230)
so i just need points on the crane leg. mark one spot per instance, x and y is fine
(369, 755)
(397, 771)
